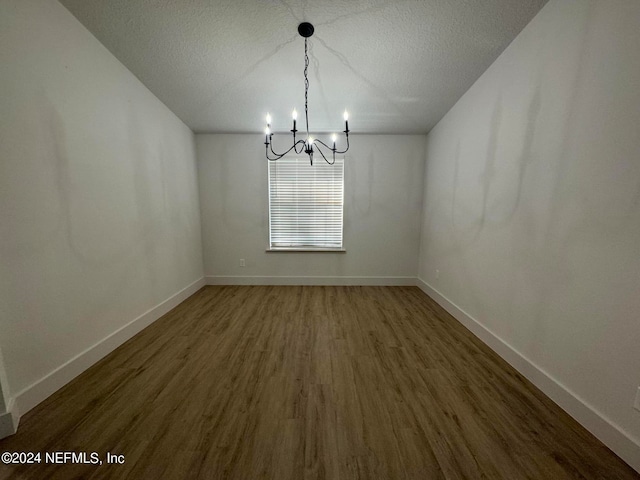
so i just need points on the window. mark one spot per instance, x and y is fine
(305, 204)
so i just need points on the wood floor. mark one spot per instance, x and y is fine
(308, 383)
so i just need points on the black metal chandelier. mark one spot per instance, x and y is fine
(308, 145)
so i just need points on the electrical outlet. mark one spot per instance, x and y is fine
(437, 274)
(636, 404)
(242, 264)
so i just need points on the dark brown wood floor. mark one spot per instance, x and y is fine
(308, 382)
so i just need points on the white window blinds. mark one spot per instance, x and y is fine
(305, 203)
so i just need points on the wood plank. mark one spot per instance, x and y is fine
(302, 382)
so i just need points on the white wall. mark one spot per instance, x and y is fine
(532, 210)
(99, 220)
(383, 198)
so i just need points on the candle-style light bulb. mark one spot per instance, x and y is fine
(268, 119)
(294, 114)
(345, 115)
(334, 137)
(307, 146)
(346, 122)
(267, 132)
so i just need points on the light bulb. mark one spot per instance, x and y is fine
(334, 137)
(346, 115)
(294, 114)
(310, 140)
(267, 131)
(268, 119)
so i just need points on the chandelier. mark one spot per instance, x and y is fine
(308, 145)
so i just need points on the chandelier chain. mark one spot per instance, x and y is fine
(306, 87)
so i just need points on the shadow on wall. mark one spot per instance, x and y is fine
(464, 237)
(360, 188)
(152, 208)
(147, 163)
(530, 258)
(162, 195)
(502, 211)
(240, 192)
(543, 214)
(83, 212)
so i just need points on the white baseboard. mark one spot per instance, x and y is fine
(43, 388)
(608, 432)
(260, 280)
(604, 429)
(9, 420)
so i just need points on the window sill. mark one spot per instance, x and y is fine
(304, 250)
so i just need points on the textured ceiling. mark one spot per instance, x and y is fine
(221, 65)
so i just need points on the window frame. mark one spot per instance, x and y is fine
(304, 248)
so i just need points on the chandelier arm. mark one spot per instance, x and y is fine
(336, 151)
(280, 155)
(277, 156)
(266, 153)
(322, 143)
(271, 148)
(340, 152)
(301, 142)
(322, 153)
